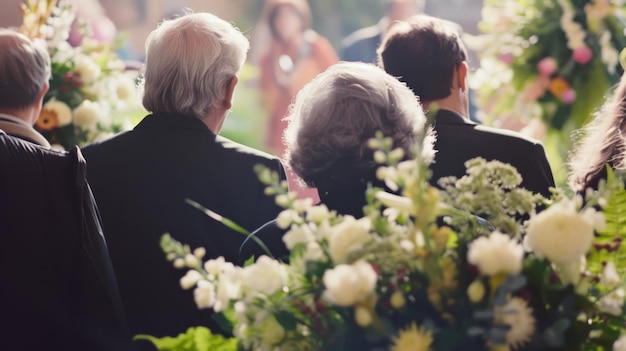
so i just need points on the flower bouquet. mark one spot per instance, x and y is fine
(89, 86)
(421, 272)
(552, 60)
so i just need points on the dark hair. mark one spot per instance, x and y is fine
(298, 6)
(423, 52)
(600, 142)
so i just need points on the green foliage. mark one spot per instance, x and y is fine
(195, 339)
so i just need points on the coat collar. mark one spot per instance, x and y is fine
(20, 129)
(447, 117)
(169, 121)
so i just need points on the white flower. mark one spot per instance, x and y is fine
(204, 294)
(190, 279)
(87, 114)
(286, 218)
(519, 316)
(60, 110)
(348, 236)
(620, 344)
(313, 252)
(125, 89)
(560, 233)
(303, 205)
(570, 273)
(228, 288)
(266, 275)
(347, 285)
(271, 332)
(318, 214)
(612, 303)
(496, 254)
(191, 260)
(87, 69)
(401, 203)
(218, 265)
(298, 234)
(610, 277)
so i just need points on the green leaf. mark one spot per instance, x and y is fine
(195, 339)
(286, 320)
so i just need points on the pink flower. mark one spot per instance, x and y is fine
(582, 55)
(569, 96)
(547, 66)
(506, 57)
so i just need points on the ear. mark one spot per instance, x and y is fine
(461, 74)
(39, 103)
(229, 92)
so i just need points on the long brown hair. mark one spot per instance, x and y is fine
(600, 142)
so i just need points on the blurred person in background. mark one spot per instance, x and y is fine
(295, 55)
(361, 45)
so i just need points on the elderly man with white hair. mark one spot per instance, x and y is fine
(24, 75)
(142, 178)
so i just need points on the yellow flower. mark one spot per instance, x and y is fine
(48, 120)
(413, 339)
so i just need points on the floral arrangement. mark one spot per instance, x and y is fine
(89, 87)
(421, 272)
(550, 60)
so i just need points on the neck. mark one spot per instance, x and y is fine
(451, 103)
(28, 114)
(214, 121)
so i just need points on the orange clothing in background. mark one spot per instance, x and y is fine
(284, 71)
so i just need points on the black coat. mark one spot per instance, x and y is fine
(141, 180)
(459, 140)
(57, 288)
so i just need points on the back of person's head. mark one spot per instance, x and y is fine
(189, 62)
(424, 52)
(24, 69)
(299, 7)
(334, 116)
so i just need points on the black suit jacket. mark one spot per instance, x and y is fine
(57, 288)
(141, 180)
(459, 140)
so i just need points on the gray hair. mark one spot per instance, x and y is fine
(335, 115)
(189, 62)
(24, 69)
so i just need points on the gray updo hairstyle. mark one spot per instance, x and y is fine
(334, 116)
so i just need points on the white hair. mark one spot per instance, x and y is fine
(335, 115)
(24, 68)
(189, 62)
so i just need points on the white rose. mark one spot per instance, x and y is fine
(298, 234)
(266, 275)
(204, 294)
(60, 110)
(347, 285)
(86, 68)
(87, 114)
(560, 233)
(348, 236)
(190, 279)
(496, 254)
